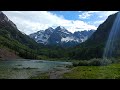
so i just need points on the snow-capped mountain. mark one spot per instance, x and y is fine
(42, 36)
(60, 36)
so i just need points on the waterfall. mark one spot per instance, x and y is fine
(113, 40)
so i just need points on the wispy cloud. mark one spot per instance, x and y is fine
(95, 17)
(98, 22)
(32, 21)
(87, 14)
(100, 14)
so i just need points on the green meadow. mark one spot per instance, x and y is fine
(111, 71)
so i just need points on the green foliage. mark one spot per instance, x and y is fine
(41, 76)
(94, 46)
(81, 63)
(22, 44)
(19, 49)
(95, 62)
(94, 72)
(26, 47)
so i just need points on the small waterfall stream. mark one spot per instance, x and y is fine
(113, 40)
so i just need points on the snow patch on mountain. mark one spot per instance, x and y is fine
(85, 38)
(42, 38)
(60, 36)
(67, 39)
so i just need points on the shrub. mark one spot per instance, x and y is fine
(115, 60)
(75, 64)
(95, 62)
(84, 63)
(81, 63)
(106, 62)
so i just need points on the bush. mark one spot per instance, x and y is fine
(75, 64)
(84, 63)
(95, 62)
(106, 62)
(115, 60)
(81, 63)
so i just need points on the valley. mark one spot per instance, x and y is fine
(57, 53)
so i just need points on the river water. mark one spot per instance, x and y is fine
(24, 69)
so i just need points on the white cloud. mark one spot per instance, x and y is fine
(95, 17)
(87, 14)
(100, 14)
(98, 22)
(32, 21)
(107, 13)
(103, 15)
(93, 11)
(84, 15)
(80, 25)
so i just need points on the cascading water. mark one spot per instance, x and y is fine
(113, 42)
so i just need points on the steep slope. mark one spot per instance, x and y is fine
(12, 38)
(42, 36)
(94, 46)
(9, 29)
(6, 53)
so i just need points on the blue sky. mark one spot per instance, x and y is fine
(33, 21)
(86, 16)
(70, 15)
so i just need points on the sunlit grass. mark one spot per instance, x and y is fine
(94, 72)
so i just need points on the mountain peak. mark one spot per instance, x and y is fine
(60, 27)
(50, 28)
(0, 12)
(4, 19)
(59, 36)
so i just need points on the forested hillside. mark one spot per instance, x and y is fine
(26, 47)
(94, 46)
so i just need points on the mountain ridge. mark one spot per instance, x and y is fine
(95, 45)
(61, 36)
(12, 38)
(26, 47)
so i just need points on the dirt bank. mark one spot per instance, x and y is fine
(6, 53)
(58, 74)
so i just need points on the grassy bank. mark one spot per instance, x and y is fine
(91, 69)
(111, 71)
(41, 76)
